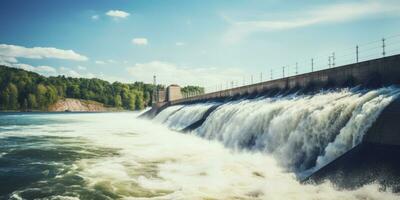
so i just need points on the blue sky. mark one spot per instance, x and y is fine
(202, 42)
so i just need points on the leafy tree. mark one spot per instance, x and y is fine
(12, 92)
(147, 98)
(41, 97)
(51, 94)
(132, 102)
(139, 103)
(192, 90)
(5, 98)
(73, 91)
(32, 104)
(25, 105)
(117, 101)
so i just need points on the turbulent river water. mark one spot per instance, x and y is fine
(303, 132)
(118, 156)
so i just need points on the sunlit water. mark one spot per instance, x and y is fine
(116, 156)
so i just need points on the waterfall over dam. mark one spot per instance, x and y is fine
(304, 132)
(347, 133)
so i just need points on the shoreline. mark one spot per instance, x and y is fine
(60, 112)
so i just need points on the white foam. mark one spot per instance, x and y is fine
(302, 132)
(157, 163)
(187, 115)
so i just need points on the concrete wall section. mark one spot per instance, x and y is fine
(174, 92)
(385, 129)
(155, 109)
(364, 164)
(372, 73)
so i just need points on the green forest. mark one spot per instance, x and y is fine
(29, 91)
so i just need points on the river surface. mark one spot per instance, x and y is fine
(117, 156)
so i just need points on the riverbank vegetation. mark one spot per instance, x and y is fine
(24, 90)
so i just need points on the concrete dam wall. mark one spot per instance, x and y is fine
(372, 73)
(337, 124)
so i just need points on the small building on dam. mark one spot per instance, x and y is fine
(171, 93)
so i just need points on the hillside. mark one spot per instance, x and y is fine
(79, 105)
(27, 91)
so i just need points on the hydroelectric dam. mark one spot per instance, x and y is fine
(339, 124)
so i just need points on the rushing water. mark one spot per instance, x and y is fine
(179, 117)
(116, 156)
(302, 132)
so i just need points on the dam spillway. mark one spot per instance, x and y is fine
(321, 125)
(304, 132)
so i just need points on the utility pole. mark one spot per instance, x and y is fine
(312, 64)
(297, 68)
(357, 53)
(329, 61)
(271, 74)
(155, 91)
(333, 59)
(383, 47)
(283, 72)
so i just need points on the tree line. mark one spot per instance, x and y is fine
(192, 90)
(24, 90)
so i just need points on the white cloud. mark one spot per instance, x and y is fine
(82, 68)
(109, 61)
(44, 70)
(14, 51)
(72, 73)
(47, 70)
(4, 59)
(95, 17)
(179, 43)
(12, 62)
(169, 73)
(139, 41)
(23, 66)
(317, 15)
(111, 78)
(50, 71)
(69, 72)
(7, 58)
(100, 62)
(116, 14)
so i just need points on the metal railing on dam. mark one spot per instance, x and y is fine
(384, 47)
(370, 73)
